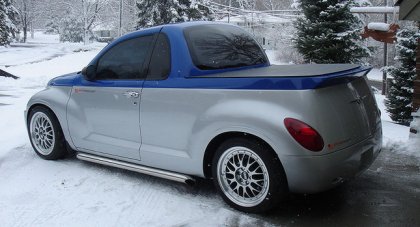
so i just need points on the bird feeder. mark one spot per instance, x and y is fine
(381, 32)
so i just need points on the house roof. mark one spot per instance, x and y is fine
(409, 9)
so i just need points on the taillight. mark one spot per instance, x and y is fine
(304, 134)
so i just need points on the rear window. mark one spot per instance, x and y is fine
(222, 46)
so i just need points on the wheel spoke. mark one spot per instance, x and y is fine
(42, 133)
(243, 175)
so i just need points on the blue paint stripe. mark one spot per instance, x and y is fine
(250, 83)
(255, 83)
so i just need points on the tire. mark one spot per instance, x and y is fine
(248, 175)
(45, 134)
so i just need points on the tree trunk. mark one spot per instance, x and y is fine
(25, 22)
(32, 30)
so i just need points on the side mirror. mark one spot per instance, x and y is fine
(89, 72)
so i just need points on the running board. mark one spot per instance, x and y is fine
(137, 168)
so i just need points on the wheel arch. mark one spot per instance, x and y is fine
(45, 105)
(39, 105)
(222, 137)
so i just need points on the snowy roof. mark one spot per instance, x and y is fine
(374, 9)
(104, 27)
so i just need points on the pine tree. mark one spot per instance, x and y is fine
(399, 101)
(4, 33)
(329, 33)
(156, 12)
(12, 18)
(8, 20)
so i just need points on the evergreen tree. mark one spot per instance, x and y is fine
(12, 18)
(156, 12)
(399, 101)
(8, 20)
(329, 33)
(4, 33)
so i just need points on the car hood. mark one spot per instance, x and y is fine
(64, 80)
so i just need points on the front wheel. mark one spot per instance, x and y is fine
(45, 134)
(248, 176)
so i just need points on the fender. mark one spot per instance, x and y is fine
(55, 98)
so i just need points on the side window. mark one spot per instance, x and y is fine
(160, 63)
(125, 60)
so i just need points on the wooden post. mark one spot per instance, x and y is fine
(384, 83)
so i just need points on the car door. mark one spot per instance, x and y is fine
(103, 113)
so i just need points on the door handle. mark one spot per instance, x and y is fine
(131, 94)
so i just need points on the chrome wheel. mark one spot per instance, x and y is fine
(243, 176)
(42, 133)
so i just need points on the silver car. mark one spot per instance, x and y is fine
(200, 99)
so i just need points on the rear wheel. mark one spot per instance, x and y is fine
(248, 176)
(45, 134)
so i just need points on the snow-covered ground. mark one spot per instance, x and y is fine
(35, 192)
(375, 74)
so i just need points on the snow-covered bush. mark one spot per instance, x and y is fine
(156, 12)
(71, 30)
(329, 33)
(400, 91)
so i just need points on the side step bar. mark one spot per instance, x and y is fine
(137, 168)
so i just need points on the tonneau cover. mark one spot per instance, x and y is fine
(303, 70)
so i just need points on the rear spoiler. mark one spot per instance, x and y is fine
(340, 77)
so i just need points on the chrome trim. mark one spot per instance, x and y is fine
(137, 168)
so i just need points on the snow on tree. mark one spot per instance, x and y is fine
(329, 33)
(8, 21)
(156, 12)
(12, 18)
(4, 34)
(399, 100)
(247, 4)
(71, 30)
(73, 19)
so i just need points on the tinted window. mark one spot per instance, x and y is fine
(222, 46)
(125, 60)
(160, 63)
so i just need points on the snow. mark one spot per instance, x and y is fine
(375, 9)
(272, 56)
(375, 74)
(258, 18)
(414, 139)
(36, 192)
(41, 48)
(379, 26)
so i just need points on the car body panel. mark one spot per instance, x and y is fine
(55, 98)
(106, 119)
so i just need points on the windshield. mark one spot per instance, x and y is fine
(217, 46)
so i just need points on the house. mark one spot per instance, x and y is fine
(409, 9)
(105, 33)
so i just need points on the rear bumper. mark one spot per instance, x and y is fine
(312, 174)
